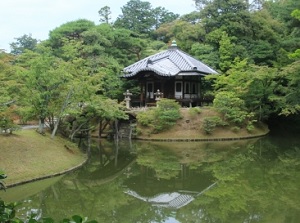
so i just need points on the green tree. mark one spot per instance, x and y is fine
(292, 73)
(8, 96)
(128, 46)
(25, 42)
(205, 53)
(282, 10)
(296, 54)
(232, 107)
(139, 16)
(68, 31)
(161, 16)
(136, 16)
(43, 77)
(105, 14)
(226, 52)
(230, 15)
(260, 88)
(185, 33)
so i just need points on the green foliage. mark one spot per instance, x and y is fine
(145, 19)
(70, 31)
(206, 53)
(250, 127)
(292, 89)
(44, 78)
(226, 52)
(8, 93)
(195, 111)
(258, 91)
(7, 212)
(86, 59)
(6, 121)
(210, 123)
(146, 118)
(105, 14)
(167, 113)
(25, 42)
(232, 107)
(162, 117)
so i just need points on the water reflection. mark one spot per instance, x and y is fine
(238, 181)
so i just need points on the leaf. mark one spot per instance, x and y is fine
(48, 220)
(77, 219)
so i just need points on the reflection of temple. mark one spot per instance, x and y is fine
(174, 193)
(174, 200)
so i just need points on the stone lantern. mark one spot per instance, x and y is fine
(127, 99)
(158, 95)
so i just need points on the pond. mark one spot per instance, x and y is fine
(254, 180)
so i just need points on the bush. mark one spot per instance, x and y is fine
(7, 124)
(232, 107)
(146, 118)
(210, 123)
(162, 117)
(166, 114)
(250, 127)
(235, 129)
(195, 111)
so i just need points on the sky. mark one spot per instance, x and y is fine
(38, 17)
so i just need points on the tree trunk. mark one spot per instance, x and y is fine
(66, 102)
(41, 128)
(102, 125)
(55, 128)
(116, 130)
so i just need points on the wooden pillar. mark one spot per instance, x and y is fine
(142, 92)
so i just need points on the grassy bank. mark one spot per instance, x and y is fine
(27, 155)
(189, 127)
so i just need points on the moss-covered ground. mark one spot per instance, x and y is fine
(27, 155)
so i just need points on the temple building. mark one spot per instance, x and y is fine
(171, 74)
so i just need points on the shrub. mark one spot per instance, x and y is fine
(232, 107)
(166, 114)
(146, 118)
(250, 127)
(162, 117)
(137, 131)
(195, 111)
(235, 129)
(7, 124)
(210, 123)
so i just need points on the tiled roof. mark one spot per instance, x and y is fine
(170, 62)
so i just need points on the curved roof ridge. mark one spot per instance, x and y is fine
(185, 57)
(168, 62)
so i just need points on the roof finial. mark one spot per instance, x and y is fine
(174, 43)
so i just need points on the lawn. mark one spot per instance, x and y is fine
(27, 155)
